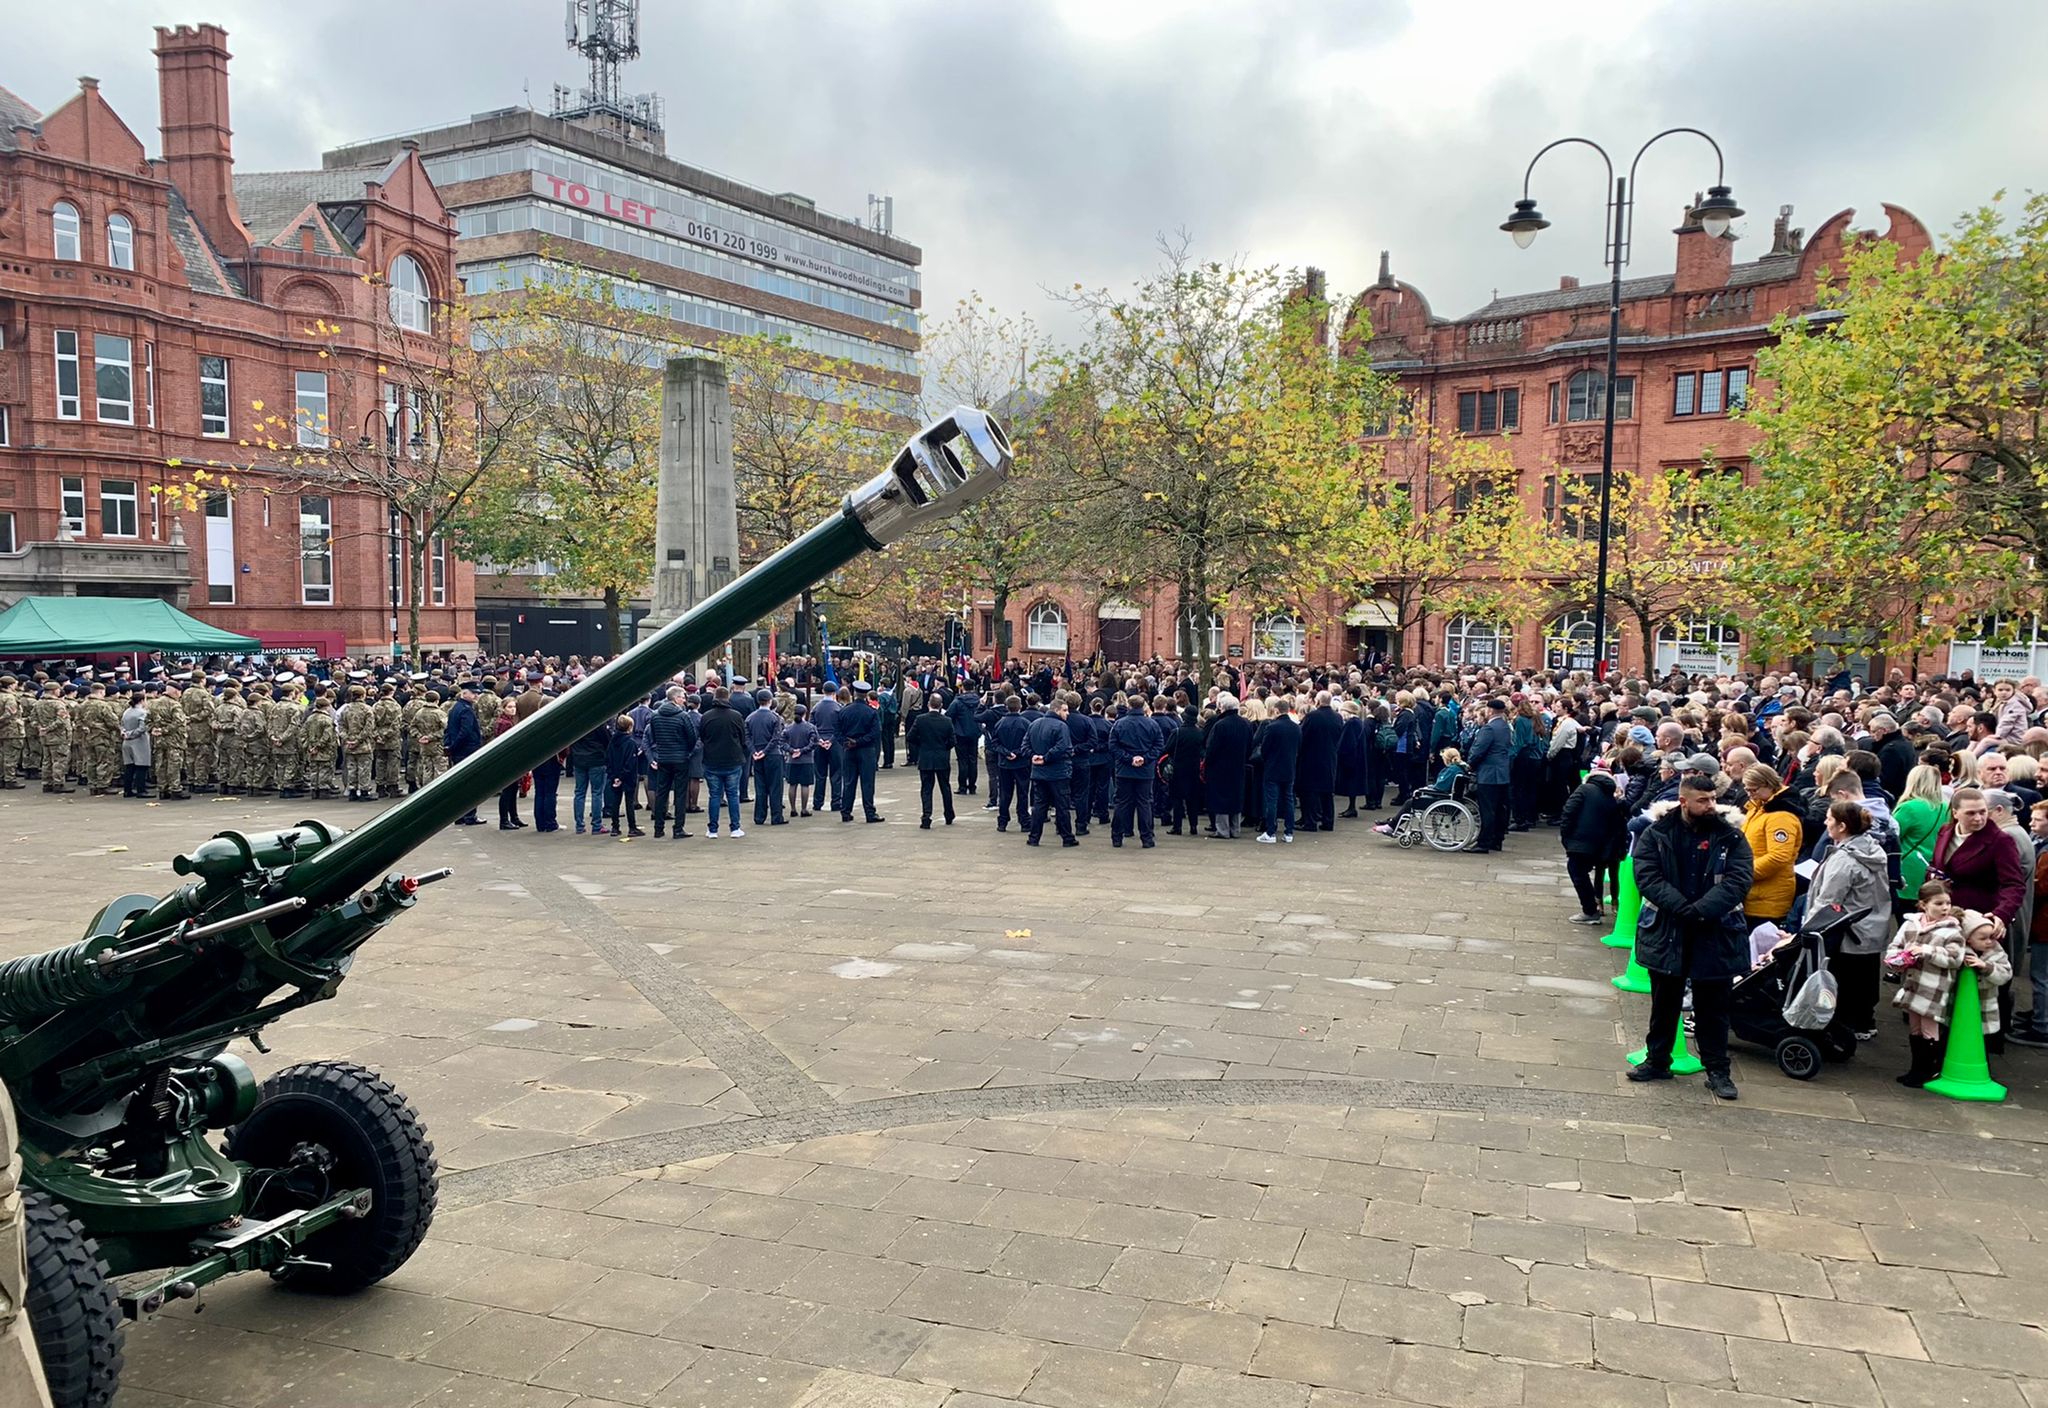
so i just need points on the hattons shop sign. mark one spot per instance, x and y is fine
(596, 200)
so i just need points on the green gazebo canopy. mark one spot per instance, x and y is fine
(88, 625)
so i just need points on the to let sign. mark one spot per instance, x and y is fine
(598, 201)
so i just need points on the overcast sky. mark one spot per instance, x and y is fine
(1033, 144)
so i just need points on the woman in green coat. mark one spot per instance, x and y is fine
(1921, 813)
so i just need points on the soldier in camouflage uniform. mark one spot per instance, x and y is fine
(53, 733)
(13, 729)
(386, 732)
(98, 727)
(32, 741)
(283, 720)
(20, 1365)
(415, 696)
(320, 734)
(227, 720)
(490, 705)
(252, 739)
(358, 725)
(429, 729)
(197, 702)
(167, 745)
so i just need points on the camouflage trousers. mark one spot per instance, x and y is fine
(10, 760)
(287, 765)
(359, 768)
(32, 755)
(199, 757)
(430, 763)
(56, 761)
(385, 770)
(321, 775)
(99, 761)
(227, 761)
(167, 759)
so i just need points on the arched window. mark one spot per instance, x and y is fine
(1588, 397)
(1568, 643)
(1280, 638)
(64, 230)
(411, 299)
(1189, 643)
(1468, 640)
(120, 242)
(1046, 627)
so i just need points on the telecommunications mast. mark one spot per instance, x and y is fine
(607, 33)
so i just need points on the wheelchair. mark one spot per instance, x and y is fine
(1445, 823)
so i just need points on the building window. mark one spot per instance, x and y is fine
(316, 550)
(1710, 393)
(310, 389)
(1470, 641)
(73, 495)
(64, 230)
(67, 376)
(113, 373)
(439, 563)
(1568, 643)
(1738, 388)
(1046, 627)
(1571, 504)
(220, 549)
(1685, 389)
(394, 561)
(1555, 388)
(1280, 638)
(213, 396)
(1483, 412)
(1586, 397)
(988, 629)
(1190, 643)
(7, 544)
(1698, 645)
(120, 242)
(411, 300)
(118, 505)
(6, 430)
(149, 384)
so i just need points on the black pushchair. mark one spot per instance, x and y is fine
(1756, 1003)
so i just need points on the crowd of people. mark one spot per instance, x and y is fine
(1805, 793)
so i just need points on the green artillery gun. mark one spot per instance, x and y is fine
(115, 1048)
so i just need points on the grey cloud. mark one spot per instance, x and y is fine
(1025, 157)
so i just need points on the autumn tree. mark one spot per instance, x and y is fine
(577, 487)
(1902, 480)
(1664, 560)
(419, 420)
(1210, 434)
(806, 429)
(1439, 526)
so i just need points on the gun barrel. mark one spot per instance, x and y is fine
(949, 464)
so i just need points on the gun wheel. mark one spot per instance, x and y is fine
(71, 1307)
(322, 1126)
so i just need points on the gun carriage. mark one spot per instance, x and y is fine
(155, 1161)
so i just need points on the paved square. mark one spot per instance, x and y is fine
(868, 1117)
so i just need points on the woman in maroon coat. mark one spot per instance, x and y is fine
(1984, 871)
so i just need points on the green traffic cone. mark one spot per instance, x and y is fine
(1683, 1062)
(1623, 934)
(1635, 977)
(1965, 1074)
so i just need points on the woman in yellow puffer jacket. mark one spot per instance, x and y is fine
(1771, 821)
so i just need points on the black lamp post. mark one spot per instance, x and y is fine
(1714, 214)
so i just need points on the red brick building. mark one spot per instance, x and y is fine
(147, 305)
(1531, 365)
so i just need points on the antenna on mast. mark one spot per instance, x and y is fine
(607, 33)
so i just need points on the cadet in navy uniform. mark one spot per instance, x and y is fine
(1100, 786)
(766, 756)
(1050, 747)
(860, 743)
(1280, 750)
(825, 718)
(1133, 756)
(1013, 765)
(964, 711)
(1081, 779)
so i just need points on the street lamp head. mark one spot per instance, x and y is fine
(1717, 211)
(1525, 223)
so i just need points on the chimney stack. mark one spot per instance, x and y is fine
(1703, 261)
(192, 90)
(1567, 281)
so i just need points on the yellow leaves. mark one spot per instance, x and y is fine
(256, 406)
(173, 462)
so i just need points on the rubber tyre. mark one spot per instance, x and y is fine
(1448, 826)
(1799, 1057)
(71, 1307)
(378, 1143)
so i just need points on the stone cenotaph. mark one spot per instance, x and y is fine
(696, 524)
